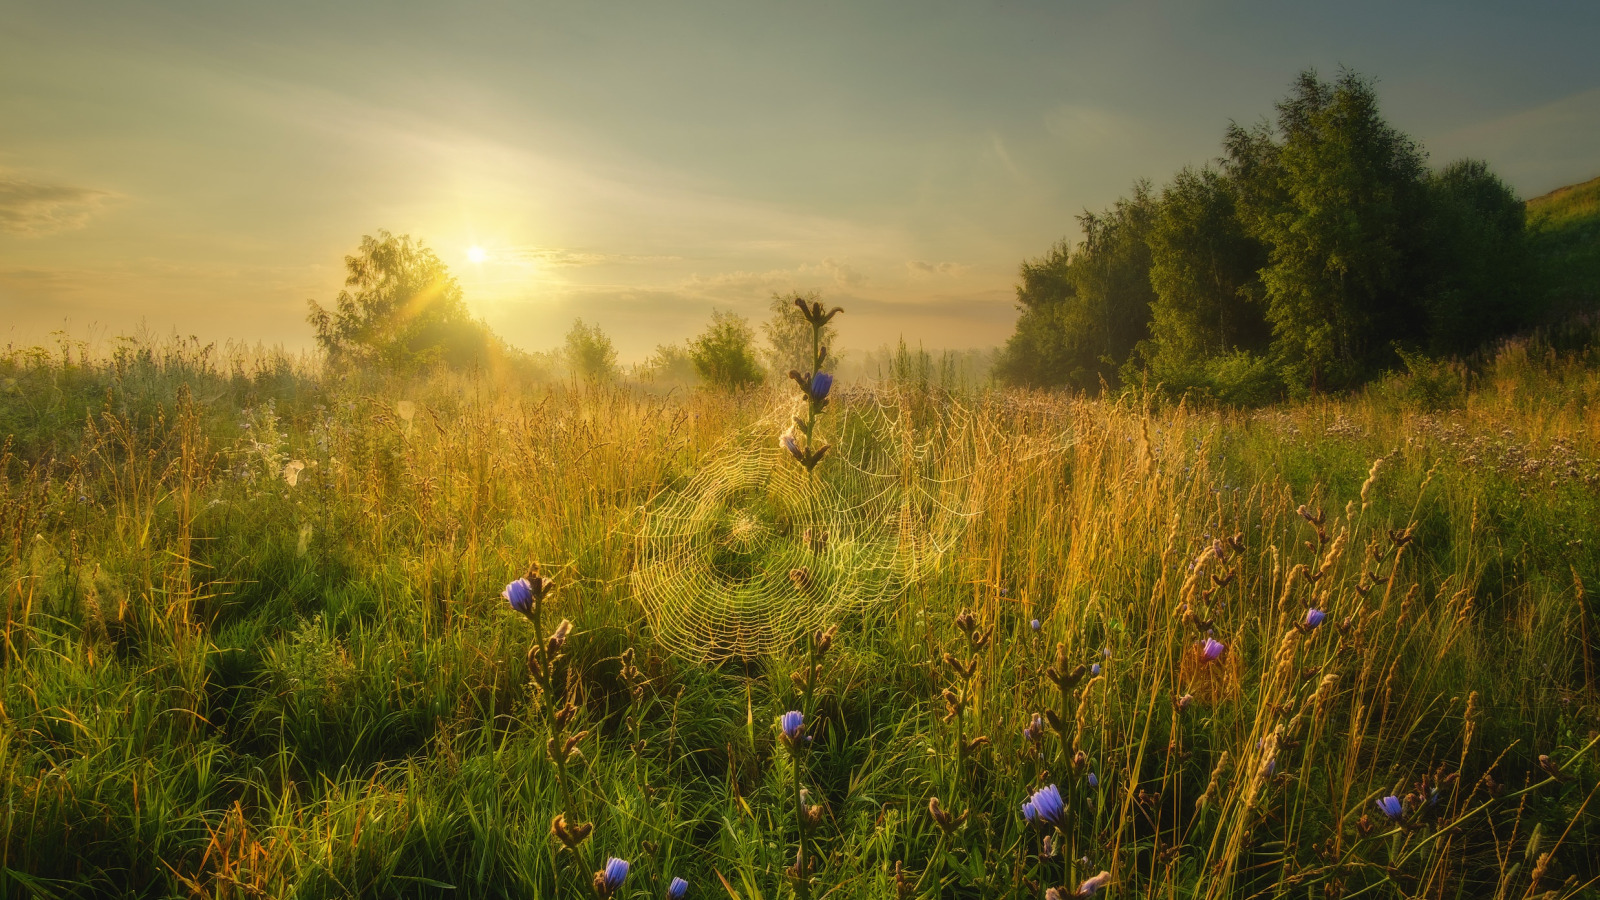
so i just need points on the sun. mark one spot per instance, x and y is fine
(477, 254)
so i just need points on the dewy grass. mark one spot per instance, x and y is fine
(255, 644)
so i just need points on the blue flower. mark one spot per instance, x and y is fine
(792, 444)
(1392, 807)
(1035, 625)
(1045, 807)
(609, 880)
(677, 889)
(1094, 780)
(821, 383)
(519, 594)
(793, 724)
(1212, 649)
(1094, 669)
(1314, 618)
(1092, 885)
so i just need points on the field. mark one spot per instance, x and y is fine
(255, 642)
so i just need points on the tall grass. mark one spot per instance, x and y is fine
(253, 643)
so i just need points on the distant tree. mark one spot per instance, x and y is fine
(1085, 309)
(400, 309)
(670, 364)
(1203, 271)
(589, 353)
(1480, 268)
(1337, 196)
(724, 354)
(788, 335)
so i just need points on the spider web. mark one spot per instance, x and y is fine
(753, 552)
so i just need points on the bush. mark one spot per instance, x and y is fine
(724, 354)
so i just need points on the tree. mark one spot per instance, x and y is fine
(1203, 271)
(1084, 310)
(724, 354)
(788, 335)
(1479, 259)
(589, 353)
(1337, 197)
(400, 309)
(670, 364)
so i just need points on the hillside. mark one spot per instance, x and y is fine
(1565, 228)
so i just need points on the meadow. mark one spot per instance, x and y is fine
(255, 641)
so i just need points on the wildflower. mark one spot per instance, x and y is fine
(609, 880)
(793, 725)
(821, 383)
(1034, 625)
(1045, 807)
(1212, 649)
(792, 444)
(1093, 884)
(1183, 702)
(1392, 807)
(1313, 618)
(1094, 669)
(519, 594)
(1034, 732)
(678, 889)
(1094, 780)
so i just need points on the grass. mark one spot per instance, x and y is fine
(220, 683)
(1564, 226)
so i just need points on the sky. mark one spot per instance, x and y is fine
(202, 168)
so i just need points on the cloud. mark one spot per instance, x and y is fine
(923, 269)
(556, 257)
(843, 274)
(32, 208)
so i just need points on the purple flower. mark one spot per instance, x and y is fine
(610, 880)
(677, 889)
(821, 383)
(1392, 807)
(1045, 807)
(1314, 618)
(1094, 669)
(1035, 625)
(793, 724)
(792, 444)
(1094, 780)
(1212, 649)
(519, 594)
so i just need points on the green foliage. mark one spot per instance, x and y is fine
(724, 354)
(400, 310)
(1084, 310)
(1480, 278)
(1337, 196)
(1203, 269)
(589, 354)
(1321, 244)
(670, 364)
(788, 335)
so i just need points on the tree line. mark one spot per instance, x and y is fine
(402, 311)
(1317, 252)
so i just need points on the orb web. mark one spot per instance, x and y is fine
(752, 552)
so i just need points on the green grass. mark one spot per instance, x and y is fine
(1565, 229)
(217, 683)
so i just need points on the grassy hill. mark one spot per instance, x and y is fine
(1565, 228)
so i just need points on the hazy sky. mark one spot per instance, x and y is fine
(205, 166)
